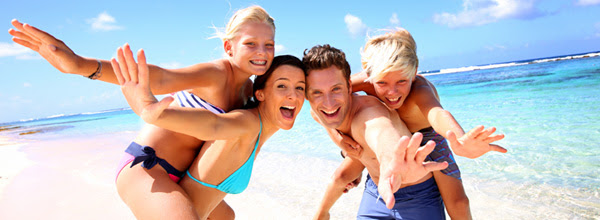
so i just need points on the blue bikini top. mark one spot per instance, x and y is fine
(238, 181)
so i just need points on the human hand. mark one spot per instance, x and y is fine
(133, 78)
(56, 52)
(350, 147)
(475, 143)
(406, 165)
(353, 184)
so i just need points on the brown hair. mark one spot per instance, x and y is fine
(260, 81)
(324, 56)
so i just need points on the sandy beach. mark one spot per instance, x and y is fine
(73, 178)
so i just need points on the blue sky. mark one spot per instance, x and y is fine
(449, 33)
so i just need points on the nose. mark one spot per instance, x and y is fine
(262, 49)
(329, 101)
(393, 90)
(293, 95)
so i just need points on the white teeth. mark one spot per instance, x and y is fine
(393, 100)
(289, 107)
(259, 62)
(330, 112)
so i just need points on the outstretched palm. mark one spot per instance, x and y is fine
(406, 166)
(133, 78)
(475, 143)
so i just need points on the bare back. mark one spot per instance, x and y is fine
(411, 112)
(180, 149)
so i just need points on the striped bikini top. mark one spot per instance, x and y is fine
(187, 99)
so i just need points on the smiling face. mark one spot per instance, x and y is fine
(393, 88)
(253, 48)
(283, 95)
(329, 95)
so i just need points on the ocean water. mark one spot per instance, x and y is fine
(548, 109)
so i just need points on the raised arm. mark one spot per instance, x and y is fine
(359, 83)
(400, 159)
(199, 123)
(59, 55)
(471, 145)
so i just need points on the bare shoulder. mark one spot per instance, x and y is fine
(247, 119)
(369, 107)
(422, 89)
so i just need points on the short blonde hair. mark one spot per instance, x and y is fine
(243, 16)
(392, 51)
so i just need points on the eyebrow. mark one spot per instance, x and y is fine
(286, 79)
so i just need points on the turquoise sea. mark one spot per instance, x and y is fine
(549, 110)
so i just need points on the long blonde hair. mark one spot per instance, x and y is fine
(390, 52)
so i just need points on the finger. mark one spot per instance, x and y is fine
(115, 66)
(38, 34)
(493, 138)
(26, 44)
(131, 64)
(413, 146)
(435, 166)
(123, 64)
(424, 151)
(486, 133)
(452, 139)
(22, 36)
(16, 24)
(400, 151)
(143, 68)
(164, 103)
(498, 148)
(474, 132)
(385, 191)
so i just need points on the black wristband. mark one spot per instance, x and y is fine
(97, 73)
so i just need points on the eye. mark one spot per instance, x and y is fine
(281, 86)
(336, 89)
(381, 83)
(249, 43)
(402, 81)
(270, 45)
(316, 93)
(300, 88)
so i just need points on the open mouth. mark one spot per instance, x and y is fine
(259, 62)
(288, 111)
(331, 114)
(393, 101)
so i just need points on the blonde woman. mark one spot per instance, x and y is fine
(220, 86)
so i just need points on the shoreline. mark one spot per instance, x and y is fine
(12, 161)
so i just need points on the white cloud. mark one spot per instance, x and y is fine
(355, 26)
(104, 22)
(587, 2)
(394, 19)
(26, 85)
(279, 48)
(495, 47)
(171, 65)
(480, 12)
(8, 49)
